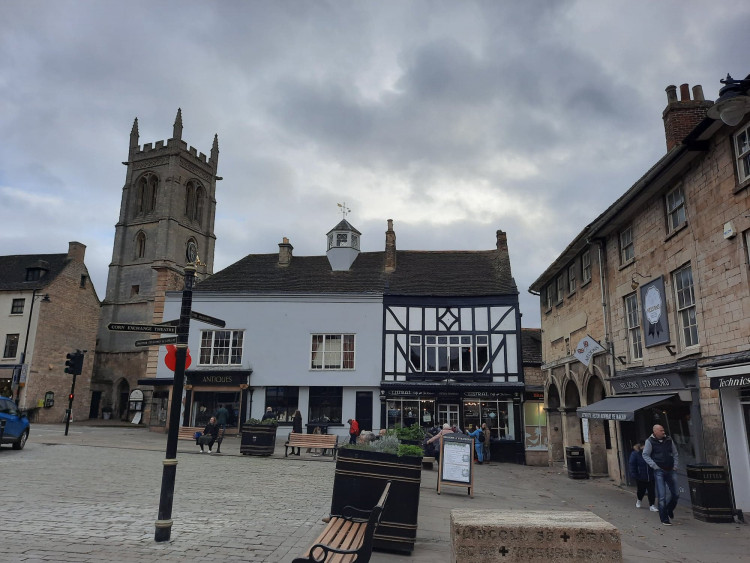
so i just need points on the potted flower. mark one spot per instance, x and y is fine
(361, 473)
(106, 412)
(259, 436)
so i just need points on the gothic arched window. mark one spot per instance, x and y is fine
(145, 198)
(140, 245)
(194, 198)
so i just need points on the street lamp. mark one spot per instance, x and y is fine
(733, 102)
(44, 299)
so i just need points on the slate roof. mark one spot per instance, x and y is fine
(418, 273)
(13, 270)
(531, 346)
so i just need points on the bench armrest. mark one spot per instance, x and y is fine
(320, 557)
(354, 514)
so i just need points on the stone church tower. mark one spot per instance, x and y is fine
(167, 211)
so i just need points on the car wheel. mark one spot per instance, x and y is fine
(21, 441)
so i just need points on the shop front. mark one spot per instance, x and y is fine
(461, 405)
(733, 384)
(668, 396)
(206, 391)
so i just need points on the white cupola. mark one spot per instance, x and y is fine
(343, 246)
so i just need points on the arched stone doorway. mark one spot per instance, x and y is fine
(554, 424)
(572, 432)
(123, 393)
(598, 431)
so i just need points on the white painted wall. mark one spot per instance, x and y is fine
(277, 342)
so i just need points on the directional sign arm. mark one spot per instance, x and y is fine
(130, 327)
(207, 319)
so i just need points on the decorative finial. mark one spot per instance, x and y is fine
(215, 149)
(134, 134)
(344, 209)
(177, 132)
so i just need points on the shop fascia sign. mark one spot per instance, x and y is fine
(216, 378)
(730, 381)
(648, 383)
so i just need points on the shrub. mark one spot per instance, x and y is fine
(266, 422)
(413, 432)
(408, 449)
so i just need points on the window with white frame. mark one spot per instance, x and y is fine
(559, 289)
(535, 425)
(483, 352)
(742, 146)
(547, 298)
(627, 252)
(586, 267)
(415, 351)
(634, 326)
(675, 209)
(16, 307)
(685, 293)
(221, 347)
(11, 346)
(448, 353)
(332, 351)
(571, 278)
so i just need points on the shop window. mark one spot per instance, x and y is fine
(221, 347)
(284, 401)
(325, 405)
(11, 346)
(535, 425)
(447, 414)
(497, 414)
(448, 353)
(332, 351)
(159, 408)
(17, 307)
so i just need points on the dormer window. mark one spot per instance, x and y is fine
(34, 274)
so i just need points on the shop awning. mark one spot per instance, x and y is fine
(620, 408)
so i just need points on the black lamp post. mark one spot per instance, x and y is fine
(733, 102)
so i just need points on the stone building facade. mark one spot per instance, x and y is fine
(661, 280)
(48, 308)
(166, 220)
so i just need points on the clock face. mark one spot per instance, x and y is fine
(191, 252)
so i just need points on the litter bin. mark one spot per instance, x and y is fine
(709, 493)
(576, 462)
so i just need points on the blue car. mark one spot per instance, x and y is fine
(14, 424)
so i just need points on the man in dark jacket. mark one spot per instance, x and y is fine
(661, 455)
(643, 476)
(210, 433)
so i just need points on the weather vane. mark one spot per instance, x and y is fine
(344, 209)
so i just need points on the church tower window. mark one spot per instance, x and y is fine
(146, 194)
(140, 245)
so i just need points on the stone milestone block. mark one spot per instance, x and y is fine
(486, 536)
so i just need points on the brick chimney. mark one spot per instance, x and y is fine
(390, 248)
(681, 117)
(76, 251)
(285, 252)
(502, 242)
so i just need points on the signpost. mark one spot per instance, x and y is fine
(157, 341)
(456, 462)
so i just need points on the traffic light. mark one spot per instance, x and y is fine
(74, 363)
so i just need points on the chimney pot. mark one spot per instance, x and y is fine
(684, 93)
(698, 93)
(671, 93)
(390, 248)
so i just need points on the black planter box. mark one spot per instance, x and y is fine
(258, 439)
(360, 478)
(709, 493)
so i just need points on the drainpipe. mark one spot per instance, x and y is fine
(609, 345)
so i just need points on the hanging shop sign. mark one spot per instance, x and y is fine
(654, 313)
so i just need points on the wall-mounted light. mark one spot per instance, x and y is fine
(634, 283)
(733, 102)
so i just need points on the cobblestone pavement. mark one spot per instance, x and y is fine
(94, 496)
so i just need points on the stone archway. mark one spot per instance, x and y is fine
(598, 431)
(572, 433)
(554, 424)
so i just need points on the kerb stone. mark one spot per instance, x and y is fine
(486, 536)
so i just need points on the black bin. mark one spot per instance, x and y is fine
(709, 493)
(576, 462)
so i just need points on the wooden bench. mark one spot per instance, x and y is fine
(347, 538)
(188, 432)
(318, 441)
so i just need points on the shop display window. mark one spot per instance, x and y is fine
(325, 404)
(407, 412)
(206, 403)
(284, 401)
(535, 425)
(498, 415)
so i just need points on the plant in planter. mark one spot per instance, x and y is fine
(259, 436)
(362, 471)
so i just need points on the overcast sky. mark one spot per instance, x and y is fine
(452, 118)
